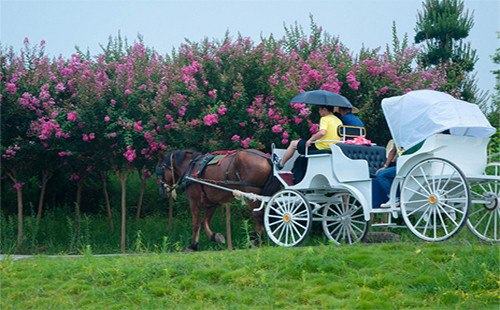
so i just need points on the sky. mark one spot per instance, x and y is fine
(165, 24)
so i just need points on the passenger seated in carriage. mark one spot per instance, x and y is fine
(328, 126)
(348, 117)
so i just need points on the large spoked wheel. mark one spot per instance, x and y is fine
(484, 217)
(435, 199)
(343, 220)
(288, 218)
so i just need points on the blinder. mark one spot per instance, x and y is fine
(165, 189)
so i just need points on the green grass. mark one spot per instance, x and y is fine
(381, 276)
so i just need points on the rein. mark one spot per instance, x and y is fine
(170, 189)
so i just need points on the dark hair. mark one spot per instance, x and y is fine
(346, 109)
(328, 107)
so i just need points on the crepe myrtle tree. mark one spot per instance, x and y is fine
(27, 104)
(129, 125)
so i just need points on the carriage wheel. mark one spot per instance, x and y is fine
(288, 218)
(344, 220)
(435, 199)
(484, 217)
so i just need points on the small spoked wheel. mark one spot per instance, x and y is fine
(435, 199)
(288, 218)
(343, 220)
(484, 217)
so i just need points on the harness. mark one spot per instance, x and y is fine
(206, 160)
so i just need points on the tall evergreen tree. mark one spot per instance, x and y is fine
(442, 26)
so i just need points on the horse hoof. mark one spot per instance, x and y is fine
(220, 238)
(188, 251)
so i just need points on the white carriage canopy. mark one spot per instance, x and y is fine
(419, 114)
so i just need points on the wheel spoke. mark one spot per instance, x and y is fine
(454, 208)
(442, 220)
(418, 209)
(421, 186)
(277, 210)
(298, 224)
(448, 181)
(416, 192)
(425, 178)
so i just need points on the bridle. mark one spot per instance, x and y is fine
(166, 189)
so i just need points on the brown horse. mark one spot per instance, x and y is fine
(245, 170)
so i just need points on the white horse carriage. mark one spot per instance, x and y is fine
(441, 187)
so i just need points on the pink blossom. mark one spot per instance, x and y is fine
(384, 89)
(85, 137)
(314, 128)
(246, 142)
(222, 110)
(92, 136)
(60, 87)
(212, 93)
(210, 119)
(127, 92)
(285, 135)
(284, 141)
(130, 154)
(113, 102)
(72, 116)
(111, 135)
(242, 124)
(277, 128)
(169, 118)
(54, 114)
(11, 87)
(235, 138)
(17, 186)
(137, 126)
(106, 118)
(297, 120)
(74, 176)
(182, 111)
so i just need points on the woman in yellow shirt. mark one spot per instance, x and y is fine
(328, 125)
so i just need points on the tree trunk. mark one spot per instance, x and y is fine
(228, 227)
(78, 203)
(170, 214)
(143, 178)
(46, 175)
(19, 191)
(104, 177)
(122, 176)
(19, 217)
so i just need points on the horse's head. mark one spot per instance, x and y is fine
(165, 168)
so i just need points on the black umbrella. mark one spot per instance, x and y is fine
(322, 97)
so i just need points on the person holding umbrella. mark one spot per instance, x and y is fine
(328, 124)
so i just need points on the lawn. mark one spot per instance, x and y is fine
(459, 275)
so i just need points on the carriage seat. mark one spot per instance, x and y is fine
(318, 152)
(374, 155)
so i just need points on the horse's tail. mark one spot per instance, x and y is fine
(272, 186)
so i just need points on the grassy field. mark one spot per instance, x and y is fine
(458, 275)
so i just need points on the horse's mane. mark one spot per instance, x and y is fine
(178, 156)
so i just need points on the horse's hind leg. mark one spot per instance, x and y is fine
(205, 224)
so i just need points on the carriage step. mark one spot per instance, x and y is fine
(384, 225)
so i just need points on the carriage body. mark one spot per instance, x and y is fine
(440, 185)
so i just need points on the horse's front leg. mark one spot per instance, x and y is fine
(205, 224)
(196, 214)
(257, 237)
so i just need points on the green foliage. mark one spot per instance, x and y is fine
(442, 26)
(494, 112)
